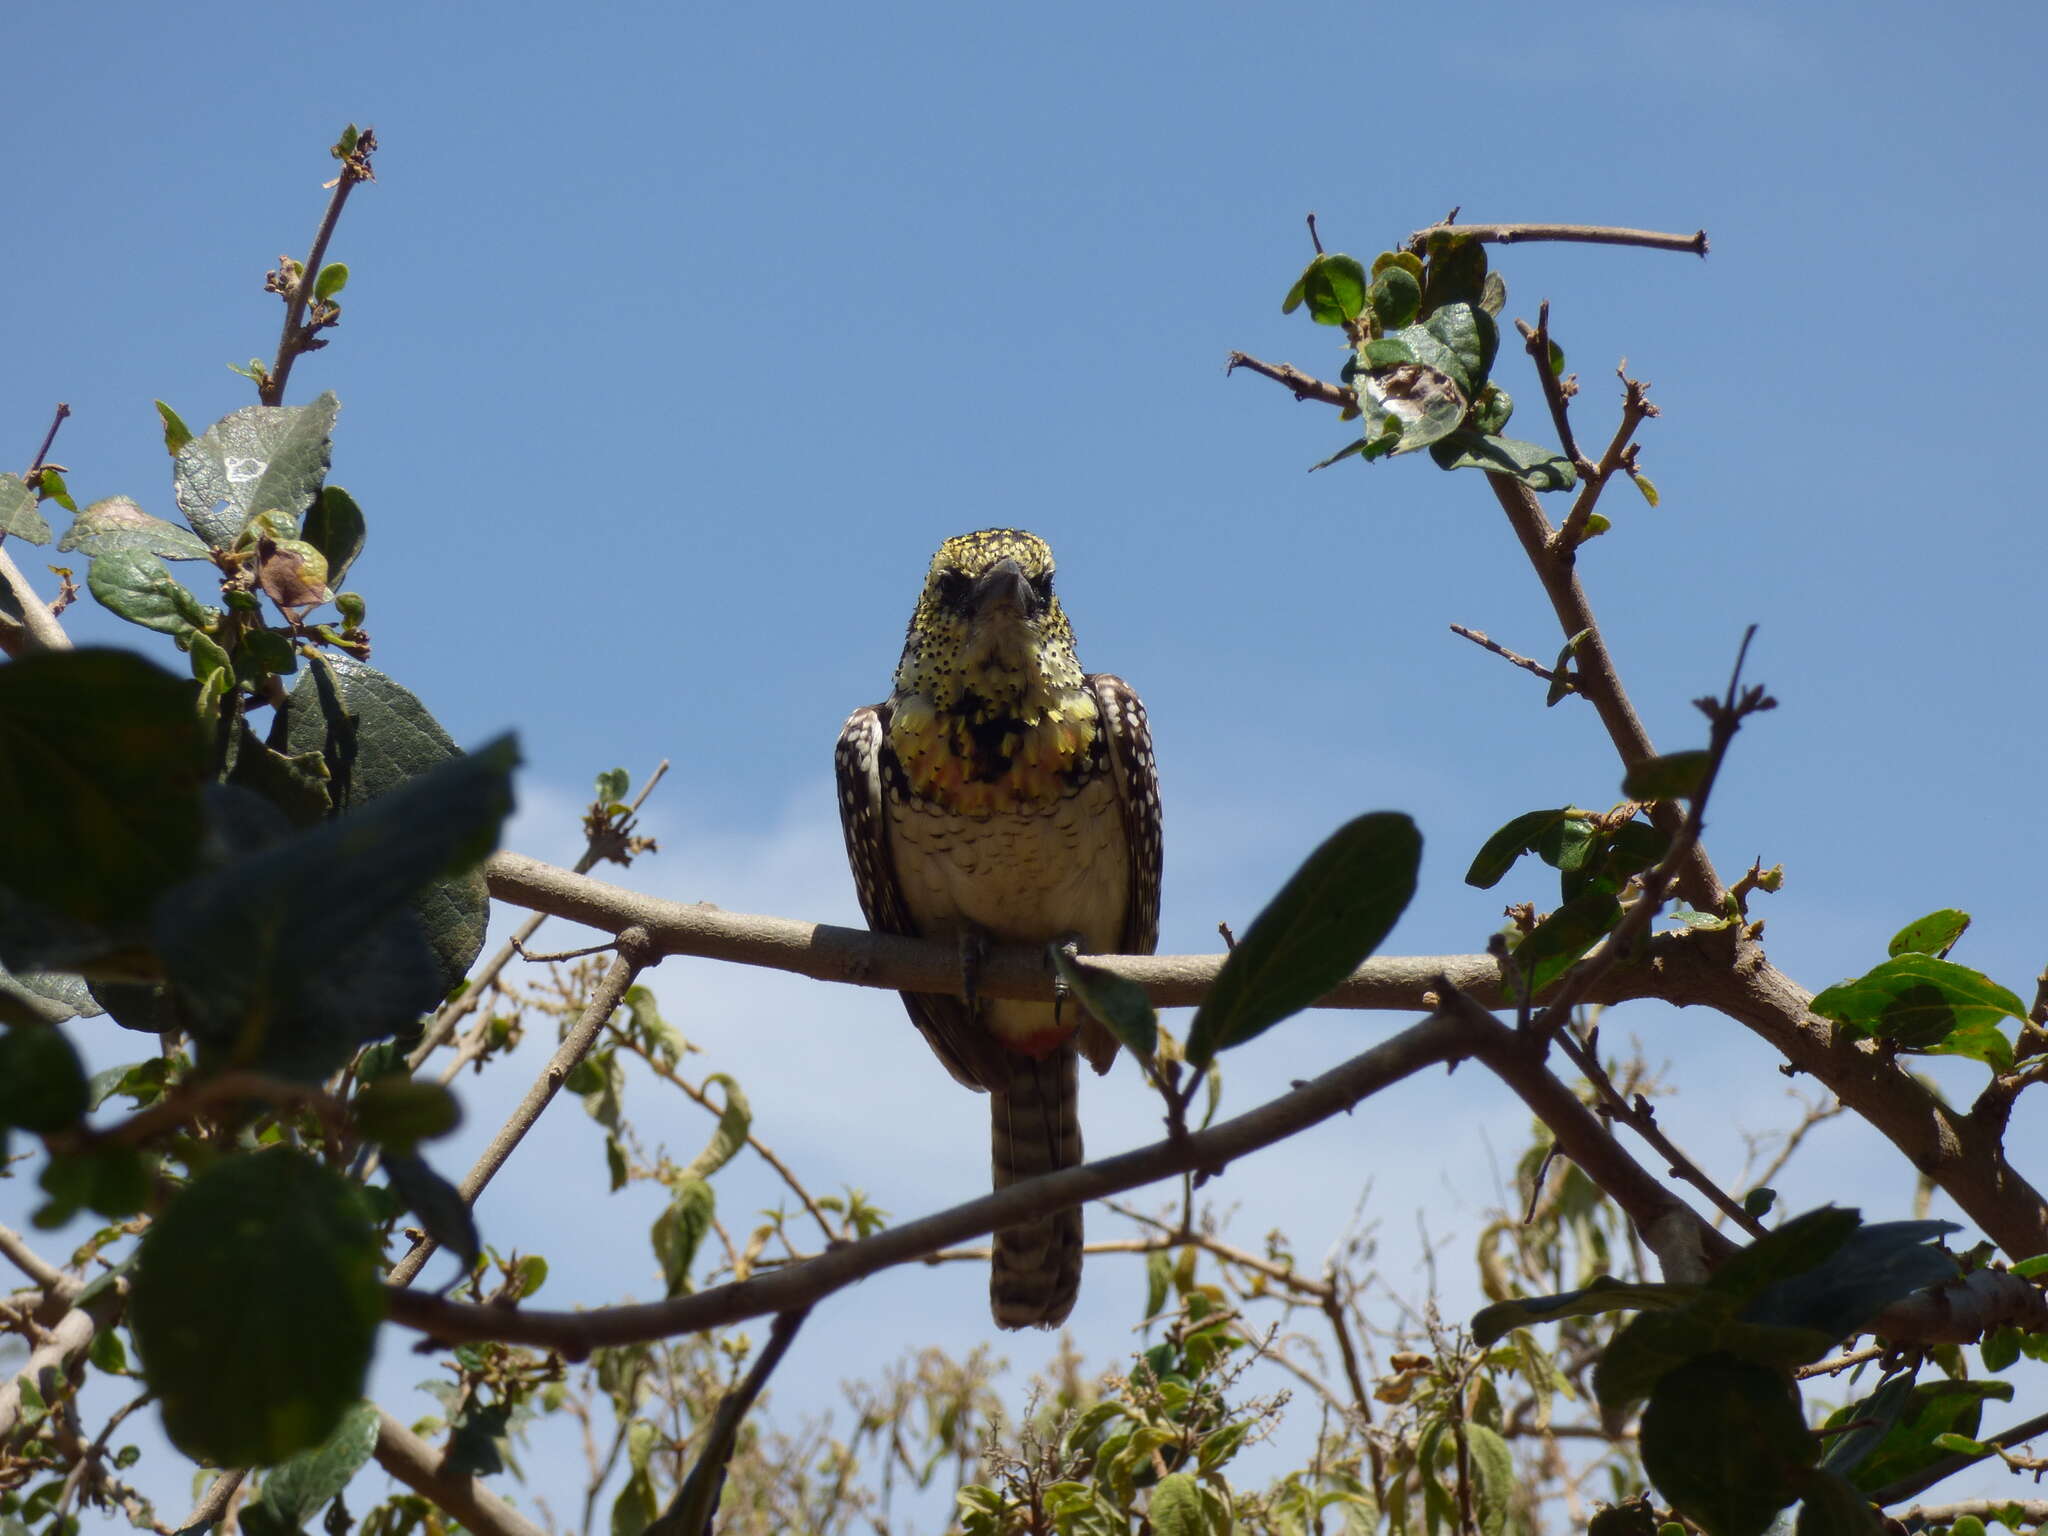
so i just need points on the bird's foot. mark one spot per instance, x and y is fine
(1070, 946)
(974, 947)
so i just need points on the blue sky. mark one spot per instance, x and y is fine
(677, 337)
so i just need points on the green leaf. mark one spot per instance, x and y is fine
(1456, 273)
(1873, 1418)
(401, 1112)
(612, 786)
(255, 1304)
(679, 1231)
(1557, 943)
(1385, 352)
(43, 1086)
(1120, 1006)
(375, 735)
(1500, 852)
(1724, 1439)
(1493, 1477)
(176, 433)
(332, 279)
(100, 766)
(439, 1205)
(1830, 1506)
(303, 949)
(1414, 402)
(1935, 934)
(105, 1177)
(1934, 1409)
(1472, 338)
(1345, 452)
(1175, 1508)
(1536, 467)
(1919, 1003)
(1758, 1202)
(1294, 297)
(1604, 1294)
(1646, 485)
(20, 512)
(295, 1490)
(51, 487)
(117, 524)
(1493, 294)
(136, 586)
(260, 458)
(1395, 297)
(1492, 410)
(1334, 287)
(1674, 776)
(733, 1123)
(335, 527)
(1330, 915)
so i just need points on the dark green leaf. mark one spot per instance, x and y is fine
(1919, 1003)
(255, 1303)
(1934, 1409)
(1396, 298)
(1935, 934)
(1604, 1294)
(1175, 1508)
(1385, 352)
(1492, 410)
(1456, 273)
(478, 1438)
(106, 1177)
(1493, 1477)
(295, 1490)
(1830, 1506)
(1493, 294)
(733, 1123)
(1120, 1006)
(100, 766)
(20, 513)
(679, 1231)
(375, 735)
(439, 1205)
(612, 786)
(1472, 338)
(1536, 467)
(43, 1086)
(136, 586)
(1873, 1417)
(296, 954)
(1556, 360)
(1422, 402)
(2000, 1349)
(1633, 847)
(1345, 452)
(119, 524)
(1331, 914)
(1724, 1441)
(1570, 844)
(1334, 289)
(1674, 776)
(1292, 302)
(176, 433)
(1491, 864)
(260, 458)
(1758, 1202)
(401, 1112)
(1558, 942)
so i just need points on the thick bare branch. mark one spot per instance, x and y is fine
(1581, 234)
(1436, 1040)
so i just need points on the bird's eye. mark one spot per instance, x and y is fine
(950, 588)
(1042, 585)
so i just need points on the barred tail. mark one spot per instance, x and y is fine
(1035, 1128)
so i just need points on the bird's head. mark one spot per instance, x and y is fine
(988, 637)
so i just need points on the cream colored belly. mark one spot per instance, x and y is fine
(1028, 878)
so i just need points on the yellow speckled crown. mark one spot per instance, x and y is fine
(992, 713)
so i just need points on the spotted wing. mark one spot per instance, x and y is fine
(1129, 735)
(863, 763)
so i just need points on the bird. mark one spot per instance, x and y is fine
(1002, 795)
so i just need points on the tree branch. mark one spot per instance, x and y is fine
(632, 957)
(695, 1505)
(1581, 234)
(1304, 386)
(35, 628)
(1436, 1040)
(295, 339)
(424, 1470)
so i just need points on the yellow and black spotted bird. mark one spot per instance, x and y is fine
(1000, 794)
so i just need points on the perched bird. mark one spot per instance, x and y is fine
(1000, 794)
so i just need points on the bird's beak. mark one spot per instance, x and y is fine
(1002, 592)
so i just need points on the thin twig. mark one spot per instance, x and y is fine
(1635, 410)
(15, 1249)
(355, 167)
(633, 956)
(49, 438)
(696, 1501)
(452, 1012)
(1539, 345)
(1305, 386)
(1582, 234)
(1480, 638)
(1432, 1042)
(1839, 1363)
